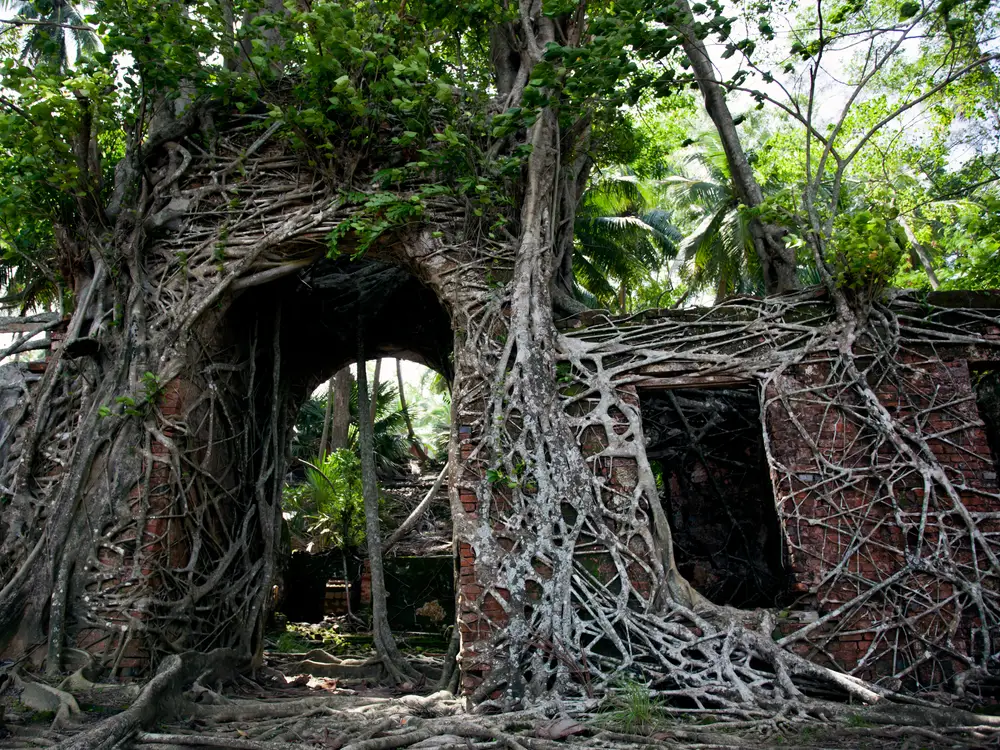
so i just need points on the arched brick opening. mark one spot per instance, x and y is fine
(323, 307)
(268, 348)
(323, 311)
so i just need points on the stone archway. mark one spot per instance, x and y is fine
(159, 532)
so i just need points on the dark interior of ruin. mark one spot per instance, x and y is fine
(706, 447)
(986, 384)
(320, 311)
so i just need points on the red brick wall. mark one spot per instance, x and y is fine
(161, 544)
(822, 516)
(847, 535)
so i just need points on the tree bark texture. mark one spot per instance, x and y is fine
(342, 384)
(372, 411)
(385, 644)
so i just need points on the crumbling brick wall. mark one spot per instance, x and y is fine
(845, 534)
(847, 511)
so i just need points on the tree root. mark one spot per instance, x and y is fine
(41, 697)
(248, 710)
(158, 699)
(320, 663)
(357, 669)
(438, 722)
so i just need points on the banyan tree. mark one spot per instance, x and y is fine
(264, 191)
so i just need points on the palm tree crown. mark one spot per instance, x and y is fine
(58, 23)
(391, 444)
(718, 249)
(621, 239)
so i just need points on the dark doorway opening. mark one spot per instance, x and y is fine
(986, 385)
(307, 327)
(706, 448)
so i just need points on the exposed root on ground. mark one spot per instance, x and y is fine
(167, 715)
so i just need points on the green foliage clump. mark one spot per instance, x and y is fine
(291, 643)
(150, 393)
(631, 708)
(391, 442)
(866, 249)
(305, 636)
(327, 510)
(969, 245)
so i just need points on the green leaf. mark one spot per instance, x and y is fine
(443, 93)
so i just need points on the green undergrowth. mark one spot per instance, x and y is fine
(631, 708)
(302, 637)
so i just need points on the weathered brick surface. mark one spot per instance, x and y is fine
(824, 515)
(863, 520)
(162, 545)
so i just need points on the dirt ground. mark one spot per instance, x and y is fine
(285, 709)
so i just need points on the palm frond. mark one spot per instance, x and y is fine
(582, 295)
(662, 232)
(705, 257)
(682, 190)
(612, 195)
(48, 41)
(594, 282)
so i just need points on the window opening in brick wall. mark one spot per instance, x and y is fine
(706, 448)
(986, 384)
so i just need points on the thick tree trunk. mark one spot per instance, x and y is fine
(385, 644)
(777, 260)
(327, 419)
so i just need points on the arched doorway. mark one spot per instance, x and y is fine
(314, 320)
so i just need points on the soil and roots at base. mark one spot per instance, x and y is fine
(196, 701)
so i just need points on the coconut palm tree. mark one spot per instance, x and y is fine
(717, 250)
(29, 278)
(391, 443)
(55, 27)
(621, 239)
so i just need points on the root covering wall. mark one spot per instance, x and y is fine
(891, 560)
(142, 471)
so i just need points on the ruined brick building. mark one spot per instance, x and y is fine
(778, 495)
